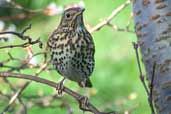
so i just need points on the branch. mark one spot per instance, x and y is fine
(24, 44)
(149, 93)
(12, 100)
(17, 17)
(140, 69)
(90, 107)
(19, 34)
(152, 81)
(116, 28)
(108, 19)
(23, 37)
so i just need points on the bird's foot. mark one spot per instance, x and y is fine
(83, 103)
(60, 87)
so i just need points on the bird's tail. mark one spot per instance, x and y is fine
(86, 83)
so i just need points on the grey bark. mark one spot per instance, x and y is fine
(153, 29)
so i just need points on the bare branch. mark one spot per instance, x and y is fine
(149, 93)
(151, 87)
(139, 67)
(23, 45)
(116, 28)
(23, 37)
(12, 100)
(17, 94)
(77, 96)
(19, 34)
(23, 109)
(108, 19)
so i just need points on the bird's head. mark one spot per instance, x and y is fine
(72, 17)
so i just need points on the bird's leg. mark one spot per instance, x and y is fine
(60, 87)
(83, 103)
(82, 84)
(83, 100)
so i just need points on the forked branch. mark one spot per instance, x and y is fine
(90, 107)
(22, 36)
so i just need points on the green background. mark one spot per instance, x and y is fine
(116, 83)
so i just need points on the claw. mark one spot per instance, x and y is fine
(83, 100)
(60, 87)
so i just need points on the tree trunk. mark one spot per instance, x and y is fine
(153, 29)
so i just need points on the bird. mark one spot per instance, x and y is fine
(72, 48)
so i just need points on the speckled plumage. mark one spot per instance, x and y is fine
(72, 49)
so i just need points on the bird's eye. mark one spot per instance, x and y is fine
(68, 15)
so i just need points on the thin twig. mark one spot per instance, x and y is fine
(12, 100)
(22, 45)
(23, 37)
(17, 94)
(135, 45)
(23, 107)
(19, 34)
(140, 70)
(4, 95)
(129, 20)
(116, 28)
(151, 88)
(25, 85)
(77, 96)
(152, 80)
(108, 19)
(17, 17)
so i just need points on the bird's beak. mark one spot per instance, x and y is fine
(81, 10)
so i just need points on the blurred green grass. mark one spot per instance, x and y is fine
(115, 78)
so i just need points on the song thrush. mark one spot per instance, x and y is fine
(72, 48)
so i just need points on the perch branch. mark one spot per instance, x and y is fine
(90, 107)
(25, 85)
